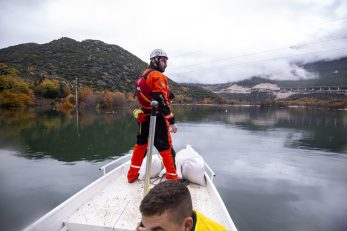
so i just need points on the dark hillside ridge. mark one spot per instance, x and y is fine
(94, 63)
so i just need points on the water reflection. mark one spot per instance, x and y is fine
(268, 185)
(307, 128)
(36, 134)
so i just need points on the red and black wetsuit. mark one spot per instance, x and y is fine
(153, 84)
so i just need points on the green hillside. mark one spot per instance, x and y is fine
(94, 63)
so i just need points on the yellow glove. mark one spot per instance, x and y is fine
(136, 113)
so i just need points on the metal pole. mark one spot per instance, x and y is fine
(152, 122)
(76, 92)
(76, 96)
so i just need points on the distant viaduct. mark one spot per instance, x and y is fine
(338, 89)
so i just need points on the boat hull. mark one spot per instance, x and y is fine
(111, 203)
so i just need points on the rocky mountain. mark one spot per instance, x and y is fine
(330, 73)
(96, 64)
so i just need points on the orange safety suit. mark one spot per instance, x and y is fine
(156, 85)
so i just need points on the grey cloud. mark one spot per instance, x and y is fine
(199, 44)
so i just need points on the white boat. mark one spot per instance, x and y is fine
(111, 203)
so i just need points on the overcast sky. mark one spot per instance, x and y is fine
(213, 41)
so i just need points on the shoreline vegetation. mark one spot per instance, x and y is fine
(48, 93)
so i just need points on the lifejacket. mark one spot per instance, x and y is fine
(147, 90)
(203, 223)
(143, 92)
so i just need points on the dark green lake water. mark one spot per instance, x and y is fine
(282, 169)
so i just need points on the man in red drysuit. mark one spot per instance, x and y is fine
(153, 85)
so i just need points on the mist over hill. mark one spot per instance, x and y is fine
(329, 83)
(328, 73)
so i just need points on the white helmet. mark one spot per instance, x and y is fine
(158, 52)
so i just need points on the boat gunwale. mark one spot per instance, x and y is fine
(209, 183)
(73, 199)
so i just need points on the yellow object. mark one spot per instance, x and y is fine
(206, 224)
(136, 113)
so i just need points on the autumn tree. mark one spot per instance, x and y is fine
(107, 100)
(48, 88)
(84, 96)
(118, 99)
(130, 96)
(14, 91)
(64, 90)
(51, 88)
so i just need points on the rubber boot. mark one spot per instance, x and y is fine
(136, 161)
(169, 165)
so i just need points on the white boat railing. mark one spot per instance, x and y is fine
(103, 168)
(210, 171)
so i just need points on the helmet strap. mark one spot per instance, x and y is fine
(155, 63)
(158, 63)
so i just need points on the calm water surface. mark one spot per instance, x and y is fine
(282, 169)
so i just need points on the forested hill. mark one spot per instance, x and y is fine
(96, 64)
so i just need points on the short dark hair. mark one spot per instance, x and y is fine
(171, 196)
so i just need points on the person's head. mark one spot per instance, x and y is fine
(158, 60)
(167, 207)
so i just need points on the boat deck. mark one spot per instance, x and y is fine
(116, 207)
(111, 203)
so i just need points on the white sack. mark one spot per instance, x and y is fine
(193, 168)
(190, 166)
(156, 167)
